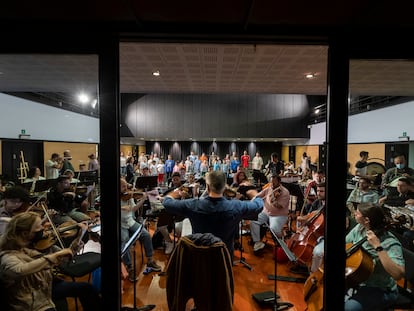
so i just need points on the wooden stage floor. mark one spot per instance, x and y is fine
(151, 287)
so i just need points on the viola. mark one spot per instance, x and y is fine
(302, 242)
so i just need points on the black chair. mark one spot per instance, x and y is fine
(81, 265)
(405, 300)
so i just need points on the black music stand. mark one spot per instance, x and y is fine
(44, 185)
(84, 176)
(131, 242)
(295, 190)
(146, 182)
(241, 249)
(277, 305)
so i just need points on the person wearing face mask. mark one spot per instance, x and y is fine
(391, 176)
(16, 200)
(26, 274)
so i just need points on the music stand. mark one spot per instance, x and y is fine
(125, 249)
(278, 305)
(44, 185)
(241, 249)
(87, 175)
(146, 182)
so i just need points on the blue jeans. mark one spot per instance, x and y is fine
(370, 298)
(144, 238)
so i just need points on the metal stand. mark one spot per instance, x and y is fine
(277, 305)
(242, 260)
(126, 248)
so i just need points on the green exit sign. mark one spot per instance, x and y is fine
(23, 131)
(404, 134)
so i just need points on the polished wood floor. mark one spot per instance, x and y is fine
(151, 287)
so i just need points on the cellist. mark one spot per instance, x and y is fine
(380, 289)
(317, 206)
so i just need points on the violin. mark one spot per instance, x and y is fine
(132, 194)
(66, 230)
(69, 229)
(230, 193)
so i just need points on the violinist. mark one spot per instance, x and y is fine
(168, 221)
(16, 200)
(129, 225)
(242, 183)
(380, 289)
(275, 211)
(65, 202)
(27, 275)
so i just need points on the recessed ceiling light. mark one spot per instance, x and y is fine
(156, 73)
(83, 98)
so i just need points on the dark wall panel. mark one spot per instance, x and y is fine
(181, 116)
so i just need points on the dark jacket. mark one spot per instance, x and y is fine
(200, 268)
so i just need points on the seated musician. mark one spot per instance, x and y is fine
(167, 221)
(192, 185)
(404, 193)
(363, 193)
(65, 202)
(380, 289)
(401, 169)
(317, 206)
(242, 183)
(27, 274)
(275, 211)
(71, 175)
(404, 197)
(34, 174)
(16, 200)
(129, 225)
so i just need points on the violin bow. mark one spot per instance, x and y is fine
(55, 231)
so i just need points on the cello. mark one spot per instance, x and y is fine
(313, 291)
(302, 242)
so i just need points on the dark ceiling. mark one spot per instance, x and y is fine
(230, 16)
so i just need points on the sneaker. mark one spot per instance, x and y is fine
(169, 246)
(258, 246)
(154, 266)
(132, 276)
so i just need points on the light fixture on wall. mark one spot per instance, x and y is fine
(156, 73)
(310, 75)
